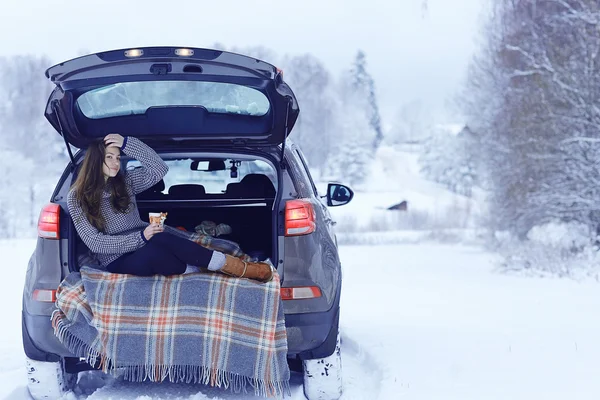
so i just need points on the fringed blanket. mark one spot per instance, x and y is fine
(202, 327)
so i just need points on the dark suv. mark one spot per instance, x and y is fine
(221, 122)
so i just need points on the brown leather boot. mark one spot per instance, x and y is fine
(234, 266)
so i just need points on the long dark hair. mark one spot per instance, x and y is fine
(90, 185)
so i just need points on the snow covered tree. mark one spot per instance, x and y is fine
(410, 124)
(445, 159)
(351, 156)
(26, 91)
(32, 154)
(533, 96)
(364, 86)
(315, 90)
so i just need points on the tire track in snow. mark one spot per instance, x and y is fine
(362, 374)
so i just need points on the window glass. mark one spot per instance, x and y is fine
(211, 174)
(133, 98)
(307, 171)
(301, 179)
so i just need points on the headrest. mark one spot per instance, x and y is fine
(153, 192)
(158, 186)
(234, 190)
(187, 191)
(258, 184)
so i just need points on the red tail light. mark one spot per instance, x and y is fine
(44, 295)
(299, 218)
(49, 222)
(300, 292)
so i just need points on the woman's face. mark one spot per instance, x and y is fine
(112, 162)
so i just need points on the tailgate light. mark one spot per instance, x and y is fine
(49, 222)
(299, 218)
(184, 52)
(45, 295)
(301, 292)
(134, 53)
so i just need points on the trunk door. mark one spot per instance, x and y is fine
(168, 95)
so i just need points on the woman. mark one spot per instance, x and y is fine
(104, 211)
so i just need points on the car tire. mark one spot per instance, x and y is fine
(48, 380)
(323, 376)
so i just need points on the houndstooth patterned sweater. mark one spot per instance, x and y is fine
(124, 232)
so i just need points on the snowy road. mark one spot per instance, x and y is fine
(421, 321)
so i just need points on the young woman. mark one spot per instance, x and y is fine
(105, 214)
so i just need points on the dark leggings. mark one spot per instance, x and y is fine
(164, 254)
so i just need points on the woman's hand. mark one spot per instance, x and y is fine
(152, 230)
(114, 139)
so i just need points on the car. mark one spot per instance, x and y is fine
(221, 122)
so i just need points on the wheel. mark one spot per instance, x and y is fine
(48, 380)
(323, 376)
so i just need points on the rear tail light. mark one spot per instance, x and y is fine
(301, 292)
(49, 222)
(44, 295)
(299, 218)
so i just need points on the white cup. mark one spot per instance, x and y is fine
(157, 218)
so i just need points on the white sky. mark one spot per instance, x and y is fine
(411, 56)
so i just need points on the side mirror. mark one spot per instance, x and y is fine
(338, 194)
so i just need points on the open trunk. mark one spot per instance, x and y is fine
(251, 224)
(236, 190)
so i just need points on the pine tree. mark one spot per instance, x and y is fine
(364, 86)
(351, 155)
(315, 91)
(445, 159)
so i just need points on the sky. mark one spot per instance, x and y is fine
(412, 53)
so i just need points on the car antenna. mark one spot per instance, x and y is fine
(287, 114)
(60, 128)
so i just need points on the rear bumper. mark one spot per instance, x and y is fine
(39, 342)
(313, 335)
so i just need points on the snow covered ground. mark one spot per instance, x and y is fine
(425, 321)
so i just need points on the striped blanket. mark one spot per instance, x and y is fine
(203, 327)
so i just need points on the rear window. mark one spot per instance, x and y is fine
(134, 98)
(189, 171)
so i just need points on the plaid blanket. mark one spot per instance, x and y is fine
(202, 327)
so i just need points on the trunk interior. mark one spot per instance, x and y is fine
(251, 224)
(197, 193)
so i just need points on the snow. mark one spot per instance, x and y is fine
(430, 321)
(560, 234)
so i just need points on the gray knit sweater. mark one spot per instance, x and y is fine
(124, 232)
